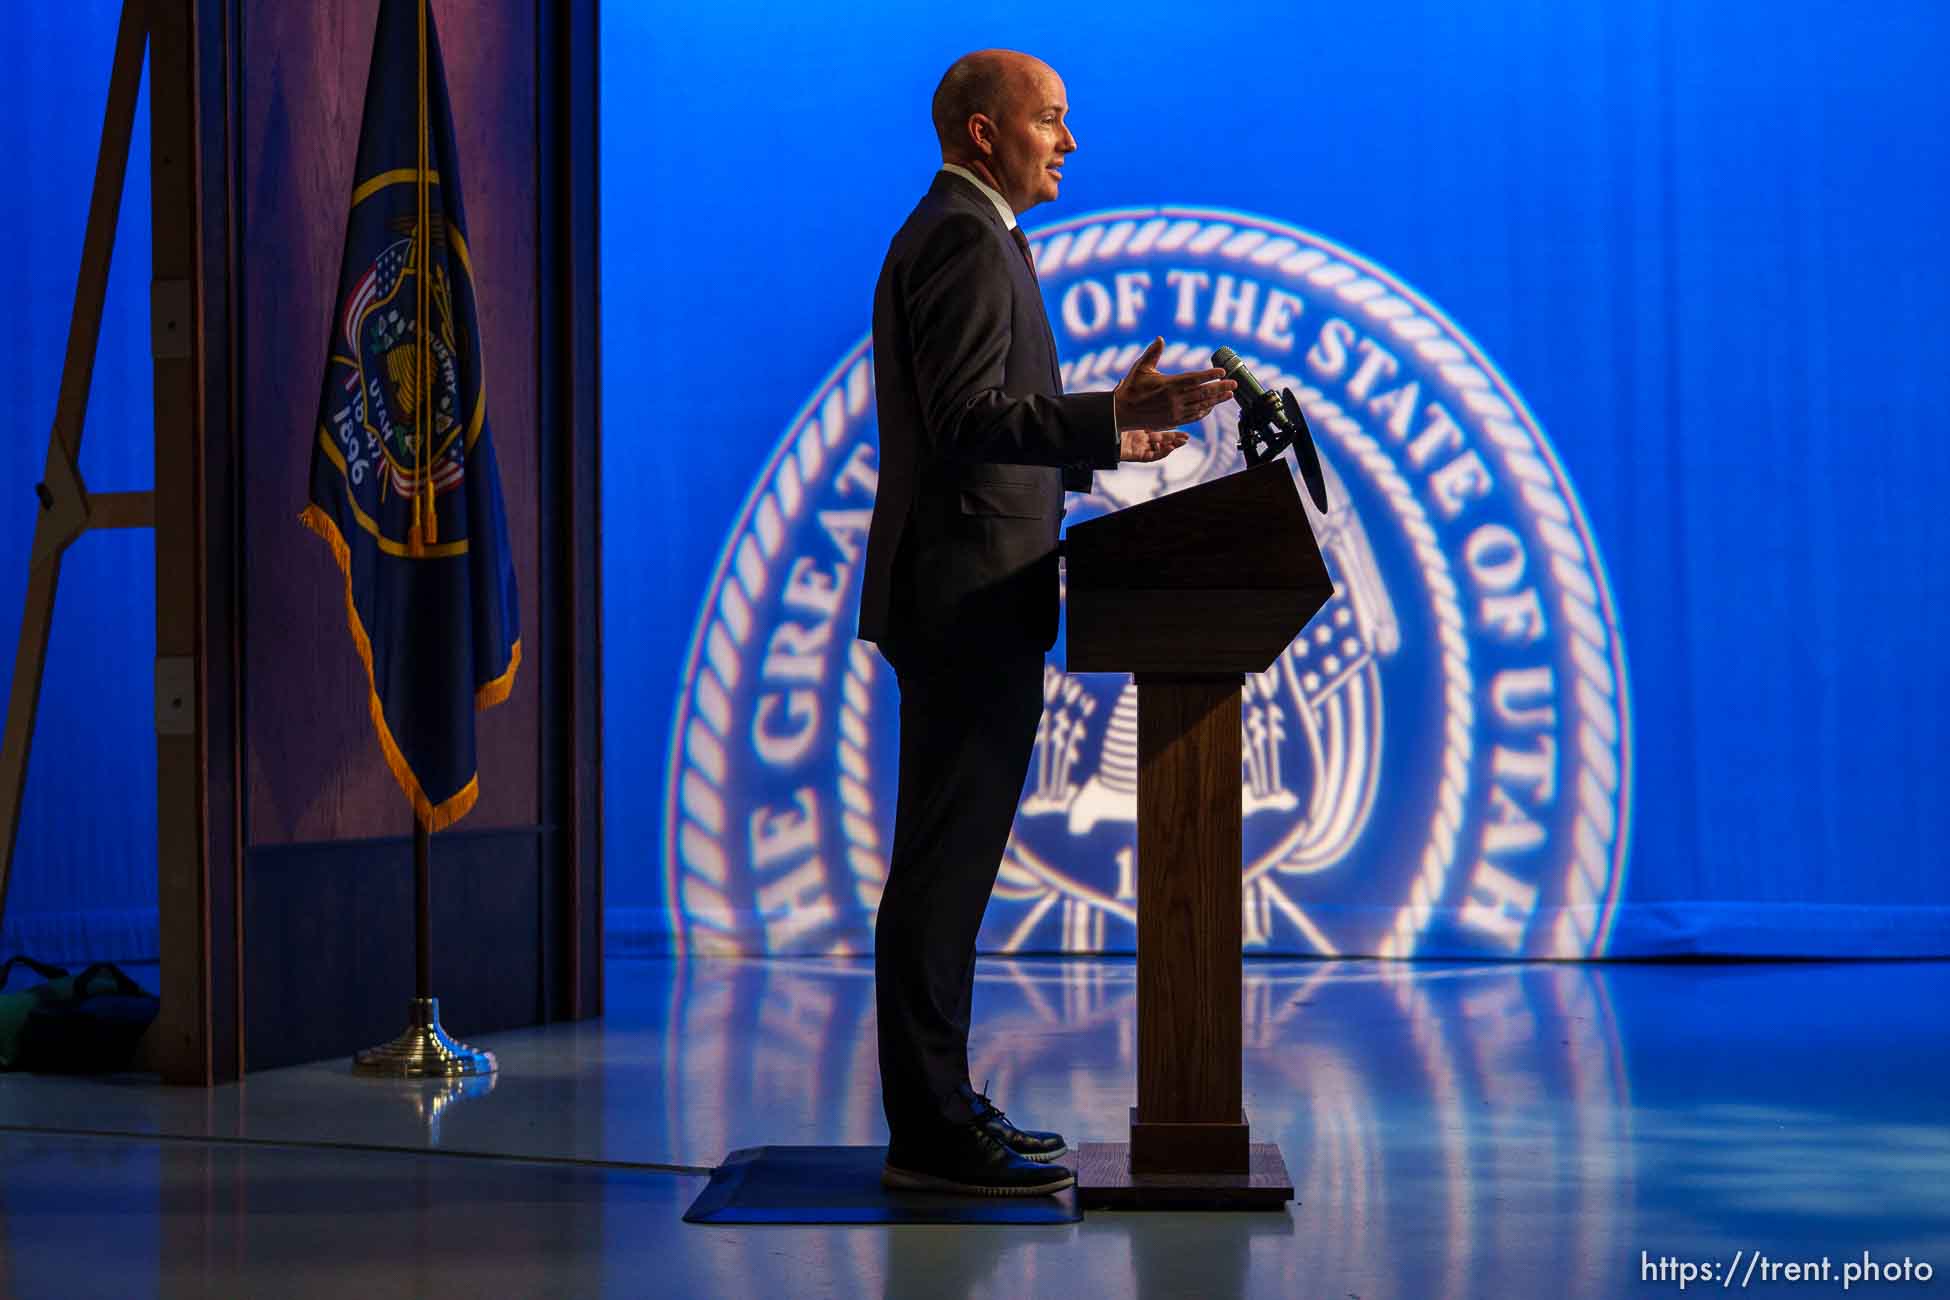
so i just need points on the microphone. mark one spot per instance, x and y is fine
(1250, 393)
(1269, 423)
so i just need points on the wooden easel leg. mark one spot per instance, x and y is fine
(23, 701)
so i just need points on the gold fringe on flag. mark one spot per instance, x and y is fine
(452, 809)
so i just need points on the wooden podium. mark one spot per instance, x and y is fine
(1189, 592)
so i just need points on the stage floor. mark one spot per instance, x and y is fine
(1499, 1130)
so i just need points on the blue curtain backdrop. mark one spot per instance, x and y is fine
(84, 878)
(1703, 242)
(1700, 241)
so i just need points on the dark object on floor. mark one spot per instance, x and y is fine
(81, 1024)
(842, 1185)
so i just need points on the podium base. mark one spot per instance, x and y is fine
(1105, 1182)
(423, 1050)
(1191, 1148)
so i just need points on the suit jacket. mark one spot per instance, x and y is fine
(977, 438)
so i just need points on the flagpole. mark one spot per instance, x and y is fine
(423, 1050)
(423, 532)
(422, 908)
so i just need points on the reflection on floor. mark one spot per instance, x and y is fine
(1453, 1130)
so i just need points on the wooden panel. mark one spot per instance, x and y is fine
(346, 987)
(1105, 1182)
(1244, 530)
(1189, 898)
(284, 741)
(314, 769)
(489, 47)
(195, 1039)
(1137, 630)
(1190, 1148)
(569, 397)
(1219, 577)
(222, 517)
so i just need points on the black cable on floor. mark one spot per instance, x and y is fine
(299, 1144)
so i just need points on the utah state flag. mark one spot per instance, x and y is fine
(403, 480)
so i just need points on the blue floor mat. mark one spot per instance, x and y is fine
(842, 1185)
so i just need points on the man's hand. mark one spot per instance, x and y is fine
(1148, 401)
(1148, 444)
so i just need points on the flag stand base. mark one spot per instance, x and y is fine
(423, 1050)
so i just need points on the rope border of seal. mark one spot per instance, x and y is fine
(1602, 739)
(778, 494)
(1439, 853)
(695, 865)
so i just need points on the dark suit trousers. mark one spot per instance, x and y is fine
(967, 731)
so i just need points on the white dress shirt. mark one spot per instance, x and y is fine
(1002, 207)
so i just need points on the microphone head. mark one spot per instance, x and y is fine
(1249, 387)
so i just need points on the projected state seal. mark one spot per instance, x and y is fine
(1439, 764)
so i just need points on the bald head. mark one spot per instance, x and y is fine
(981, 82)
(1000, 113)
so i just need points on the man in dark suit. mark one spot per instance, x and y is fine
(978, 442)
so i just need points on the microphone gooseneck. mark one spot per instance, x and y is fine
(1269, 423)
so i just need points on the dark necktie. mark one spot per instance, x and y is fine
(1022, 242)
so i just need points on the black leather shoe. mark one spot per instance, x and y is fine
(968, 1161)
(1030, 1144)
